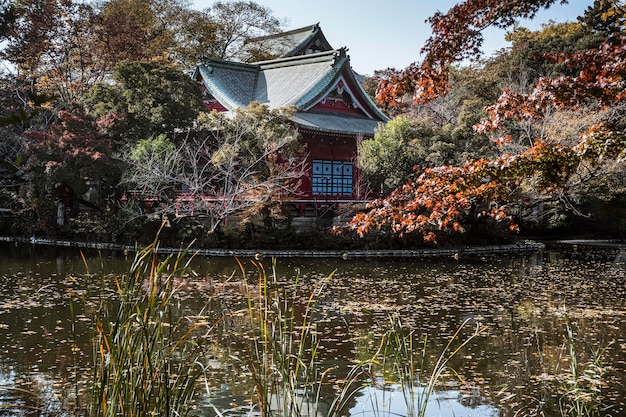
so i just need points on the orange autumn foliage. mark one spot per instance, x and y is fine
(448, 198)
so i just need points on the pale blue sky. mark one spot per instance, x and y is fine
(388, 33)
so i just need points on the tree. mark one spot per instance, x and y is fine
(599, 83)
(52, 46)
(196, 36)
(123, 29)
(234, 165)
(456, 36)
(386, 159)
(7, 10)
(606, 18)
(525, 58)
(154, 169)
(435, 133)
(137, 30)
(447, 198)
(149, 98)
(64, 163)
(237, 22)
(12, 174)
(64, 47)
(454, 198)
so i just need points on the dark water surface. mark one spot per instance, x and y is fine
(517, 365)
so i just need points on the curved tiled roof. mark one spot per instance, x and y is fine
(300, 81)
(336, 123)
(232, 84)
(293, 42)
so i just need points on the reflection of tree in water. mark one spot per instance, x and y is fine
(620, 259)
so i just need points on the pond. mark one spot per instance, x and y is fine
(537, 312)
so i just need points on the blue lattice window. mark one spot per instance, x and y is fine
(332, 177)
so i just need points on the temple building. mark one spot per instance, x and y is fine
(333, 112)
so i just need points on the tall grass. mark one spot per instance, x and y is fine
(403, 359)
(149, 362)
(283, 350)
(583, 385)
(283, 355)
(146, 358)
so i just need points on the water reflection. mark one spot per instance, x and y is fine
(517, 366)
(391, 401)
(26, 392)
(372, 401)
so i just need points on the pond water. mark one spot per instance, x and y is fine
(519, 365)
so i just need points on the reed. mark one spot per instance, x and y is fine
(403, 360)
(282, 368)
(146, 360)
(583, 385)
(283, 350)
(283, 355)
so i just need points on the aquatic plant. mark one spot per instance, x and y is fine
(283, 350)
(403, 360)
(283, 355)
(146, 360)
(583, 384)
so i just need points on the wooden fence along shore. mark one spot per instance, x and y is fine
(525, 246)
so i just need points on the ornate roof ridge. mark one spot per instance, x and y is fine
(332, 55)
(208, 62)
(312, 27)
(371, 104)
(321, 85)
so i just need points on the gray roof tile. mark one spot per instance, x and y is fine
(293, 42)
(336, 123)
(232, 84)
(293, 81)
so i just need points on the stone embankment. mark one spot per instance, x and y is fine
(520, 247)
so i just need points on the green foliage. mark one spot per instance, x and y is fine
(152, 98)
(251, 127)
(147, 148)
(387, 160)
(158, 95)
(525, 60)
(435, 146)
(605, 17)
(431, 134)
(103, 99)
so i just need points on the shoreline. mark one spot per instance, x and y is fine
(520, 247)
